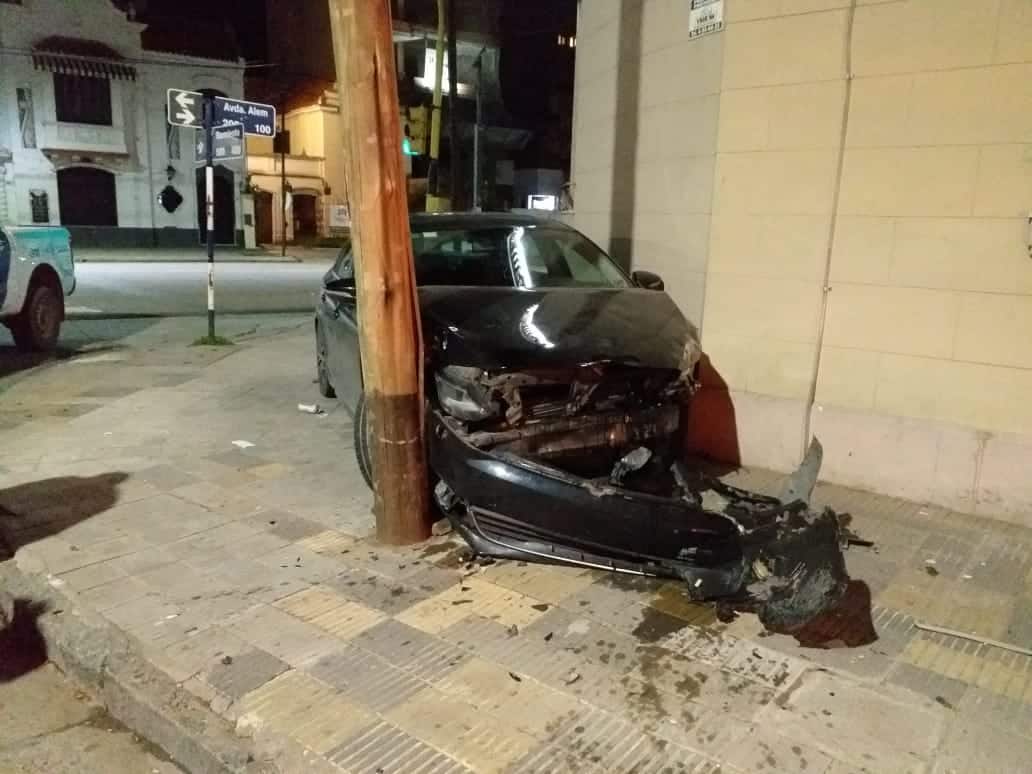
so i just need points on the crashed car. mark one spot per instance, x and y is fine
(556, 387)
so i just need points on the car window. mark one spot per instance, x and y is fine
(559, 257)
(462, 257)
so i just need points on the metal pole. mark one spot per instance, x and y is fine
(433, 200)
(476, 134)
(283, 202)
(453, 107)
(209, 201)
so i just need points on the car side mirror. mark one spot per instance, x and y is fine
(648, 280)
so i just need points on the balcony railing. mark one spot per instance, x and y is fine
(86, 138)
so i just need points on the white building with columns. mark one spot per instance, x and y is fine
(84, 140)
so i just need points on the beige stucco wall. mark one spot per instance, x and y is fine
(871, 179)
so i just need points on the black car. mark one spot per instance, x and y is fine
(556, 387)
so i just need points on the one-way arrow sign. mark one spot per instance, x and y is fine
(184, 107)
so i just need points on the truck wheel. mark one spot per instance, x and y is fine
(37, 327)
(362, 452)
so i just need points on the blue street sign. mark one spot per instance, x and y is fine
(256, 118)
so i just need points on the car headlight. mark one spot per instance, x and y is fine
(462, 395)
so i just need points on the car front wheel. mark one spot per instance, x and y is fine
(362, 450)
(322, 370)
(37, 327)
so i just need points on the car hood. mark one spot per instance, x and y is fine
(510, 328)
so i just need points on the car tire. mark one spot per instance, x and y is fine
(325, 387)
(362, 450)
(38, 325)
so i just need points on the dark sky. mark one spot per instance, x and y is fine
(247, 18)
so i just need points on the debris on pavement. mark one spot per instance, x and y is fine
(571, 677)
(513, 630)
(441, 527)
(310, 408)
(973, 638)
(930, 570)
(243, 444)
(516, 677)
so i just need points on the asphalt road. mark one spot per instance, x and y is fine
(172, 289)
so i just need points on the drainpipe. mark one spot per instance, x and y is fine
(832, 227)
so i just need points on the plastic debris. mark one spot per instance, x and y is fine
(310, 408)
(243, 444)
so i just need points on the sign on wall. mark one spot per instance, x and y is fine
(706, 16)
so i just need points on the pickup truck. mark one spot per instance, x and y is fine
(37, 271)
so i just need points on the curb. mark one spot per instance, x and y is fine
(106, 663)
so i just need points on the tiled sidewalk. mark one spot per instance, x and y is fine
(248, 576)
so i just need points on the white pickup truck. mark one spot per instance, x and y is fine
(37, 271)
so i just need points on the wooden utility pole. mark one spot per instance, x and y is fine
(388, 307)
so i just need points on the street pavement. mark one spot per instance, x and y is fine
(48, 726)
(171, 288)
(179, 493)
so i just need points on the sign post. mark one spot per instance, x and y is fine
(223, 123)
(209, 208)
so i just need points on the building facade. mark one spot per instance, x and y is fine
(84, 140)
(838, 192)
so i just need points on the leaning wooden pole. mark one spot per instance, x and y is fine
(388, 315)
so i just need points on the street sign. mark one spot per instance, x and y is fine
(185, 108)
(256, 118)
(228, 143)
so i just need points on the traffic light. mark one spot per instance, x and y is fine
(413, 128)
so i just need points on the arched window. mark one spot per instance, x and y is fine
(87, 197)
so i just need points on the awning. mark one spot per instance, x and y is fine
(75, 56)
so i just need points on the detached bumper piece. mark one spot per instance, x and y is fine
(524, 496)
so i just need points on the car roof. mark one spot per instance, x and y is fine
(472, 220)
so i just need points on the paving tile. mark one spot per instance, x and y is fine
(194, 654)
(1002, 711)
(461, 731)
(770, 752)
(975, 746)
(475, 597)
(945, 690)
(365, 678)
(331, 612)
(281, 634)
(328, 542)
(875, 729)
(607, 741)
(297, 563)
(388, 595)
(382, 747)
(425, 656)
(257, 581)
(94, 575)
(764, 665)
(114, 594)
(305, 709)
(544, 583)
(246, 671)
(165, 477)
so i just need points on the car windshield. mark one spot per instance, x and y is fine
(531, 256)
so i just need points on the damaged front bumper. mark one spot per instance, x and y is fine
(506, 494)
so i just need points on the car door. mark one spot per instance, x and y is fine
(338, 313)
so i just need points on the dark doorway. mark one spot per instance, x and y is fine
(263, 217)
(87, 197)
(305, 224)
(225, 206)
